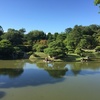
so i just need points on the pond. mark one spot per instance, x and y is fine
(27, 80)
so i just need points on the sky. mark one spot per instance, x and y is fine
(47, 15)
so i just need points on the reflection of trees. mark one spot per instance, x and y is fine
(31, 76)
(77, 67)
(57, 73)
(2, 94)
(12, 63)
(11, 72)
(12, 68)
(56, 69)
(88, 65)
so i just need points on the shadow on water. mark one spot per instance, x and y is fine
(2, 94)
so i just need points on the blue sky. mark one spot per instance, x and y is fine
(47, 15)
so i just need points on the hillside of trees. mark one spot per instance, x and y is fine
(14, 43)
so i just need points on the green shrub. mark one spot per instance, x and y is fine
(25, 48)
(97, 49)
(18, 52)
(79, 51)
(40, 48)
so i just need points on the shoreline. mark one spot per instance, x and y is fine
(70, 57)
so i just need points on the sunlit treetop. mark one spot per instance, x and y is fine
(97, 2)
(1, 29)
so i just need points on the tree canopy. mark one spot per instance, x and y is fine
(97, 2)
(57, 45)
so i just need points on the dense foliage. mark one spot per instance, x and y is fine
(17, 42)
(97, 2)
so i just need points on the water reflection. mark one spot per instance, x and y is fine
(56, 70)
(11, 72)
(89, 68)
(22, 73)
(28, 75)
(2, 94)
(60, 69)
(12, 63)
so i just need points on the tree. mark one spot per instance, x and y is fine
(73, 39)
(61, 37)
(55, 35)
(18, 53)
(22, 30)
(97, 49)
(51, 51)
(14, 36)
(88, 30)
(36, 35)
(94, 27)
(40, 48)
(1, 30)
(91, 42)
(56, 49)
(68, 30)
(79, 51)
(83, 44)
(86, 37)
(97, 2)
(49, 37)
(6, 49)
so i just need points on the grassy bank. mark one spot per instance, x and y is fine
(42, 56)
(71, 57)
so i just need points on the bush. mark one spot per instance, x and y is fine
(58, 53)
(25, 48)
(18, 53)
(50, 51)
(71, 51)
(79, 51)
(6, 48)
(30, 53)
(41, 48)
(97, 49)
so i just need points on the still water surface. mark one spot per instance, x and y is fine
(25, 80)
